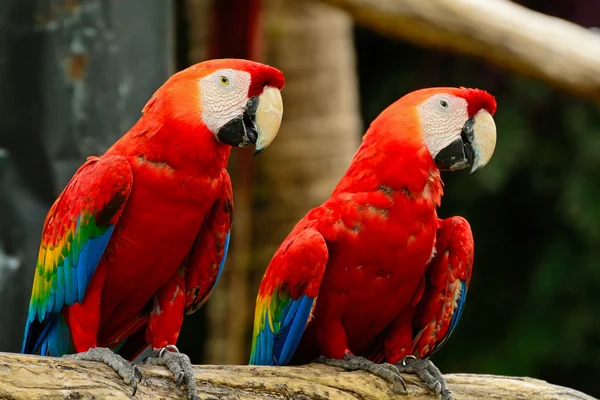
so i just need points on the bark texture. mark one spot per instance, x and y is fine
(32, 378)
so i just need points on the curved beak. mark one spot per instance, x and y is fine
(258, 125)
(474, 148)
(268, 117)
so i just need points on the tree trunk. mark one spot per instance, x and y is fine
(33, 378)
(313, 45)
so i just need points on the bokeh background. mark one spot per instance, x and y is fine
(74, 76)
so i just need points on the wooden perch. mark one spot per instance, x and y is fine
(31, 378)
(499, 31)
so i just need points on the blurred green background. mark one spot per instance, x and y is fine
(532, 307)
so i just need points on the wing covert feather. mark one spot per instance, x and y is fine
(287, 297)
(447, 280)
(76, 232)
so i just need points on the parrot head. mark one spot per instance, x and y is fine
(237, 101)
(455, 124)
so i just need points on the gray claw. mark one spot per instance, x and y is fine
(446, 395)
(428, 373)
(180, 366)
(387, 372)
(130, 373)
(180, 377)
(138, 373)
(134, 385)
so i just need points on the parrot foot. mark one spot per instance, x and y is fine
(180, 366)
(130, 373)
(350, 362)
(428, 373)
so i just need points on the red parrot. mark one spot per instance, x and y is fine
(139, 235)
(373, 275)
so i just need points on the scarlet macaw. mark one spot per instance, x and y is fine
(373, 275)
(139, 235)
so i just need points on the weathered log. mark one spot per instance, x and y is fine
(499, 31)
(31, 377)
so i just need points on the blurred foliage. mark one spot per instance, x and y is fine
(535, 212)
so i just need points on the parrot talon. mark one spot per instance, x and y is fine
(180, 366)
(387, 372)
(180, 377)
(428, 373)
(391, 367)
(138, 373)
(130, 373)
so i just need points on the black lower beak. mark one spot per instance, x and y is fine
(458, 154)
(241, 131)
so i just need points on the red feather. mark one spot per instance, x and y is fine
(160, 259)
(382, 282)
(478, 99)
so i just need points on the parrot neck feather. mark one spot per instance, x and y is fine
(385, 159)
(186, 147)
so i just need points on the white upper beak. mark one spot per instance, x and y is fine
(268, 117)
(484, 139)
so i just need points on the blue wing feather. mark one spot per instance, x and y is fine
(60, 291)
(71, 289)
(222, 263)
(292, 333)
(49, 337)
(460, 306)
(281, 315)
(90, 256)
(277, 348)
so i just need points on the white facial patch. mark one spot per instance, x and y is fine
(224, 95)
(442, 117)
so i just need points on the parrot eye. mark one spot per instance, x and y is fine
(223, 80)
(443, 104)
